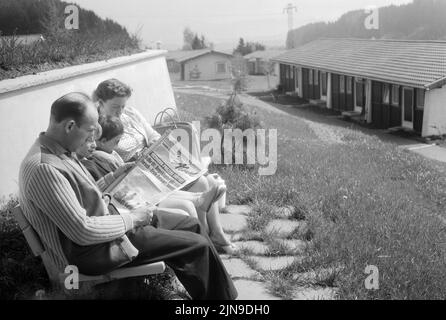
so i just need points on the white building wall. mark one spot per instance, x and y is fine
(434, 118)
(25, 102)
(329, 92)
(207, 66)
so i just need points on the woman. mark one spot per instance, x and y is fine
(111, 96)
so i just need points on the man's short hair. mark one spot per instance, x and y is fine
(111, 88)
(111, 127)
(70, 106)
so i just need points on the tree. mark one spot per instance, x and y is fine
(247, 48)
(188, 38)
(193, 42)
(198, 43)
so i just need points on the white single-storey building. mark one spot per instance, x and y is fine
(388, 83)
(203, 64)
(258, 62)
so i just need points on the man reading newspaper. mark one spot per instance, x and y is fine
(66, 208)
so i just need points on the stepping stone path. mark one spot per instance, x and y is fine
(282, 228)
(273, 263)
(237, 268)
(253, 290)
(255, 257)
(255, 247)
(235, 220)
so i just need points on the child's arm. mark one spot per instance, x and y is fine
(109, 178)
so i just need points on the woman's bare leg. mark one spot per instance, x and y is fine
(216, 232)
(180, 204)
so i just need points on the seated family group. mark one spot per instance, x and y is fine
(89, 143)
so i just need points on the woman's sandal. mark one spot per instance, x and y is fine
(230, 249)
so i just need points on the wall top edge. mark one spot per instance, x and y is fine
(33, 80)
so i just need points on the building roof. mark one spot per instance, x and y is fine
(183, 56)
(264, 54)
(419, 64)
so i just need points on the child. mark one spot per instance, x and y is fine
(104, 159)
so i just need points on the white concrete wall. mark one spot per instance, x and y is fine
(434, 118)
(25, 102)
(207, 65)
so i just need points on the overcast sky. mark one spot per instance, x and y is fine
(221, 21)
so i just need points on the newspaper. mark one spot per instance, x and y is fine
(164, 167)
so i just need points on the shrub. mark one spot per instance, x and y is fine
(232, 115)
(21, 274)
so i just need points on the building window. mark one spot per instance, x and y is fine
(420, 98)
(221, 67)
(360, 94)
(386, 93)
(324, 83)
(316, 77)
(395, 95)
(310, 76)
(349, 85)
(287, 72)
(342, 84)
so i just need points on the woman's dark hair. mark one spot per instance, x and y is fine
(111, 127)
(110, 89)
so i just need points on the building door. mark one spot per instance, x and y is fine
(316, 85)
(359, 95)
(305, 83)
(335, 92)
(408, 105)
(350, 100)
(377, 98)
(342, 93)
(183, 72)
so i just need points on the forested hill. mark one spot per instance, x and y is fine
(28, 16)
(419, 20)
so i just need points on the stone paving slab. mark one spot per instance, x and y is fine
(253, 290)
(283, 212)
(273, 263)
(314, 293)
(245, 236)
(317, 275)
(296, 246)
(244, 210)
(233, 222)
(237, 268)
(255, 247)
(282, 228)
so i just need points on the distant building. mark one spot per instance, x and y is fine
(258, 62)
(26, 39)
(387, 83)
(203, 64)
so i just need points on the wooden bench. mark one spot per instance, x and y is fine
(58, 279)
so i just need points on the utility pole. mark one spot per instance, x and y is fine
(290, 9)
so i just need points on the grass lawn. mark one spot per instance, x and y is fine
(254, 83)
(365, 203)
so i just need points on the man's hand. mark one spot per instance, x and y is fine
(123, 169)
(142, 216)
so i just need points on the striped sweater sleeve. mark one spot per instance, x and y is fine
(53, 194)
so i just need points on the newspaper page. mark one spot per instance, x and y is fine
(161, 169)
